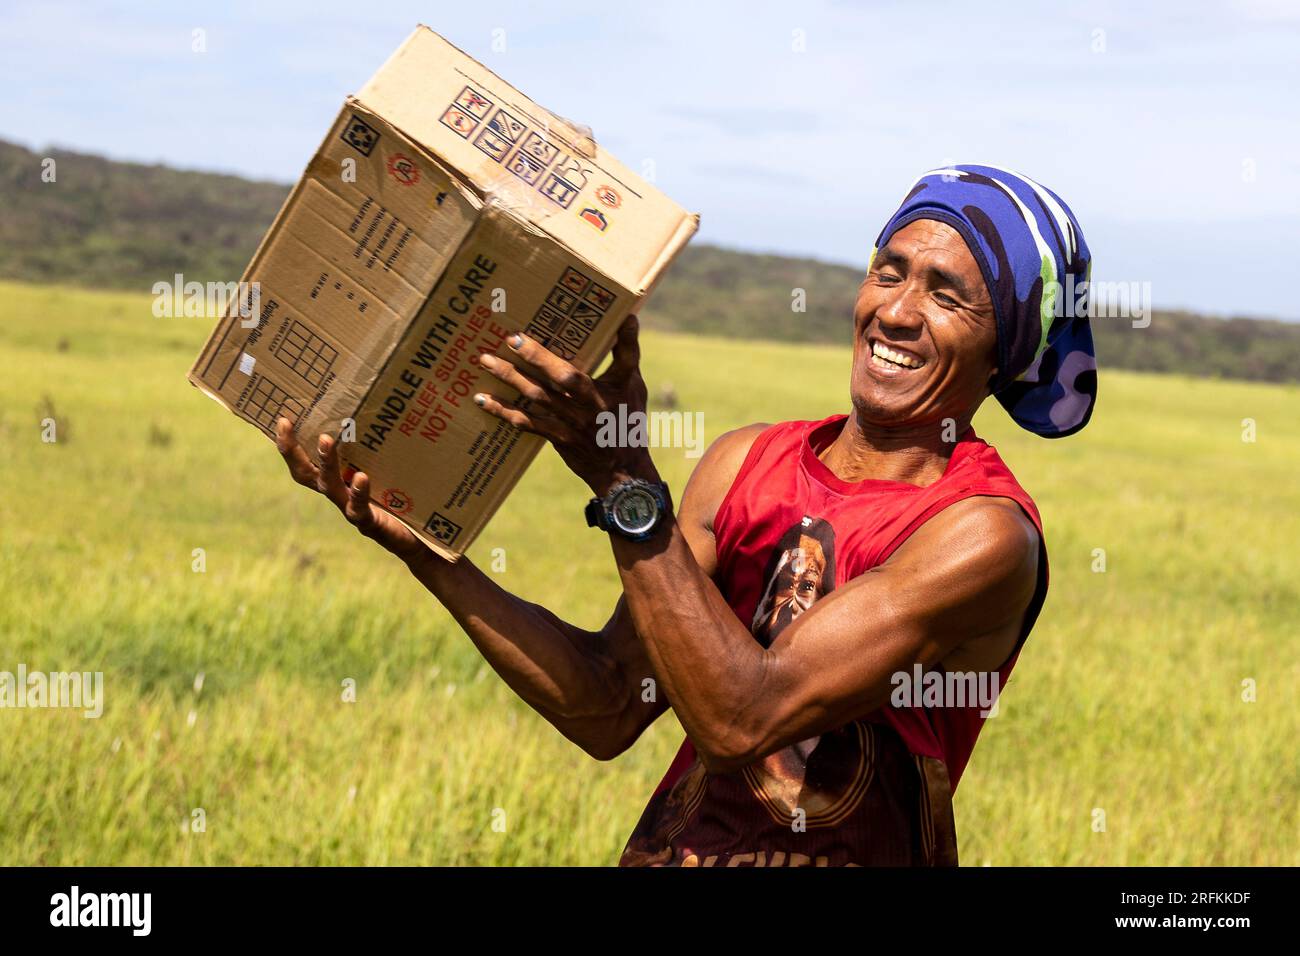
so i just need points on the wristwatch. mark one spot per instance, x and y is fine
(633, 509)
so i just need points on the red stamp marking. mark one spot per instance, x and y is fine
(403, 169)
(609, 196)
(397, 501)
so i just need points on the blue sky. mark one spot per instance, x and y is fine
(1171, 129)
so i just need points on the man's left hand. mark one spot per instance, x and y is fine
(565, 406)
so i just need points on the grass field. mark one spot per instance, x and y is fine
(1127, 699)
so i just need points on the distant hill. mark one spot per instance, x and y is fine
(110, 224)
(125, 225)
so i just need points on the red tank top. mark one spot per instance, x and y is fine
(878, 790)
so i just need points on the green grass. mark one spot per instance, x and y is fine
(1126, 699)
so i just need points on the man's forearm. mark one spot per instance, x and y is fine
(966, 578)
(570, 676)
(709, 663)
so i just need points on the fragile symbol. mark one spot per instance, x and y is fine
(403, 169)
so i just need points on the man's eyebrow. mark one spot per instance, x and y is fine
(889, 257)
(946, 277)
(952, 280)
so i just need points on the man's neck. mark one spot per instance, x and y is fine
(917, 455)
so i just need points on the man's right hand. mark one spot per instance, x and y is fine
(353, 499)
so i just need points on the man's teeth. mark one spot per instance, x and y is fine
(898, 358)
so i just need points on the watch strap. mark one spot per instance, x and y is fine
(595, 512)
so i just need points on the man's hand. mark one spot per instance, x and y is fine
(564, 405)
(353, 499)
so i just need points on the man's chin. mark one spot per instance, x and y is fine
(883, 411)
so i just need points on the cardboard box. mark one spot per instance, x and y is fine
(443, 210)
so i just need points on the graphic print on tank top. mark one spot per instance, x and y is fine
(815, 783)
(822, 777)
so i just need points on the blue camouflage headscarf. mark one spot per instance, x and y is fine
(1036, 265)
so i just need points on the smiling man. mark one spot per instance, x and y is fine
(809, 566)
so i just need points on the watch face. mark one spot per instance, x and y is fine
(634, 510)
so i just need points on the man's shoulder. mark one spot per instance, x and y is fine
(728, 451)
(726, 454)
(989, 551)
(993, 520)
(716, 471)
(985, 541)
(732, 447)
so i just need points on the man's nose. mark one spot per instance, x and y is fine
(903, 309)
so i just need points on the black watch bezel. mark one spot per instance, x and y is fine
(601, 512)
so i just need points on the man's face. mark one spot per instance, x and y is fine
(801, 578)
(797, 586)
(923, 302)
